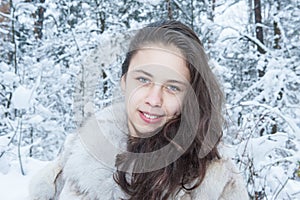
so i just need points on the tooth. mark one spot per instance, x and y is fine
(150, 116)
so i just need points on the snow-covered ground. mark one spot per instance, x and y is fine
(14, 185)
(277, 181)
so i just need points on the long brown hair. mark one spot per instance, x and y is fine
(186, 172)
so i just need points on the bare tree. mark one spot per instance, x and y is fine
(169, 9)
(211, 15)
(277, 32)
(38, 24)
(258, 24)
(5, 24)
(100, 16)
(4, 10)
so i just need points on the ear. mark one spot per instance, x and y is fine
(123, 83)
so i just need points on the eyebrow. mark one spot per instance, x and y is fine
(142, 71)
(150, 75)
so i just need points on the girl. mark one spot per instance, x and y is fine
(163, 143)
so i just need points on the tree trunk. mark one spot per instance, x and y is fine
(250, 19)
(38, 24)
(12, 54)
(5, 24)
(100, 17)
(277, 32)
(169, 9)
(211, 16)
(258, 23)
(5, 9)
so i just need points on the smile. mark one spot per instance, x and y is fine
(150, 118)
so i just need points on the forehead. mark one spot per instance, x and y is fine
(160, 61)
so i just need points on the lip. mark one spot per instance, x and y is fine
(148, 120)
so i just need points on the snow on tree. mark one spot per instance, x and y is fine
(57, 57)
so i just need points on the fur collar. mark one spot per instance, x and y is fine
(89, 157)
(86, 166)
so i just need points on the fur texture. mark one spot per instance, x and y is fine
(85, 168)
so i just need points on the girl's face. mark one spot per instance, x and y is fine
(154, 87)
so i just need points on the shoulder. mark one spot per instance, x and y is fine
(221, 171)
(222, 181)
(93, 152)
(87, 157)
(101, 137)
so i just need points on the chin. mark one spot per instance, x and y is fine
(145, 132)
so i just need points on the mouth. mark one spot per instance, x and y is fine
(150, 117)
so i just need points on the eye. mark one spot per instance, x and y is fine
(143, 80)
(173, 88)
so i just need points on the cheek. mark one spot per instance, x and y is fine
(173, 106)
(133, 95)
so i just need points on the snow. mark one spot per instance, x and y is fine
(235, 20)
(21, 98)
(36, 119)
(14, 185)
(9, 78)
(274, 166)
(4, 67)
(153, 2)
(290, 122)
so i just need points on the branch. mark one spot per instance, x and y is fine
(281, 188)
(177, 4)
(256, 42)
(8, 16)
(19, 149)
(293, 125)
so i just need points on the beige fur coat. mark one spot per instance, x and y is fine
(85, 167)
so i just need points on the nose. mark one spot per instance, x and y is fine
(154, 96)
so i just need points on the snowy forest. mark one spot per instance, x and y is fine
(253, 46)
